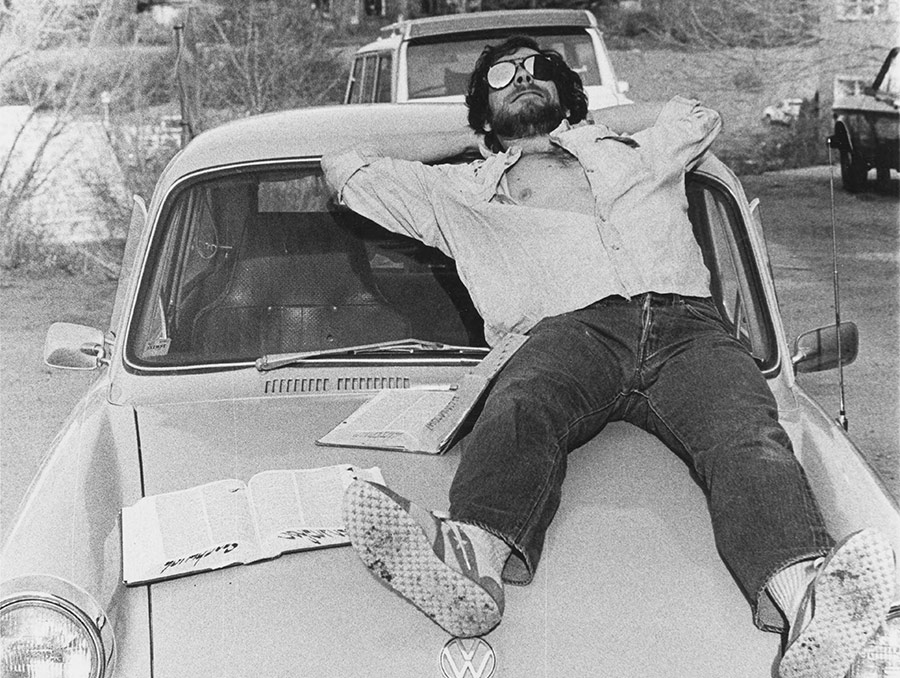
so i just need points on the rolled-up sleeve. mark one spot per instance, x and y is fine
(340, 167)
(685, 129)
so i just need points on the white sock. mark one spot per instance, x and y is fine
(789, 584)
(490, 550)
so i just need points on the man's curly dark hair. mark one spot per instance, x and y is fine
(568, 83)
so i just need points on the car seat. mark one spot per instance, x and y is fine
(300, 283)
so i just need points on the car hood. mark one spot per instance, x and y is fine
(630, 583)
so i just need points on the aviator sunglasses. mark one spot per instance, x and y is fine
(502, 73)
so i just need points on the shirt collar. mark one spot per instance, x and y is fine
(556, 136)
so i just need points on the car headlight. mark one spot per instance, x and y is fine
(50, 629)
(881, 658)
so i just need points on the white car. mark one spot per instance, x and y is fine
(242, 333)
(784, 112)
(430, 59)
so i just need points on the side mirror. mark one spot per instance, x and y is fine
(817, 350)
(74, 347)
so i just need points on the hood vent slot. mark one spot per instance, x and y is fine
(371, 383)
(285, 386)
(325, 385)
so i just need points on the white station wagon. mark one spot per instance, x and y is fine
(243, 331)
(430, 59)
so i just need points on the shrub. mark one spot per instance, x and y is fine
(264, 56)
(738, 23)
(800, 144)
(748, 80)
(628, 24)
(778, 147)
(75, 77)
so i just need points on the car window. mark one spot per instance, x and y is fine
(727, 252)
(383, 88)
(259, 261)
(368, 83)
(352, 96)
(129, 259)
(361, 88)
(441, 66)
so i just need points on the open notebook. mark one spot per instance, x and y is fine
(229, 522)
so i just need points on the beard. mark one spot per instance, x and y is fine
(537, 117)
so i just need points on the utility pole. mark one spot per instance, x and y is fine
(183, 81)
(175, 13)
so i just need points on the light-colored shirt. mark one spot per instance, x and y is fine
(520, 263)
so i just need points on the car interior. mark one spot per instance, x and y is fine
(263, 262)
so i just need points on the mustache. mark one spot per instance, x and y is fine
(525, 89)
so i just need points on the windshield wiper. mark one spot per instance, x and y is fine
(274, 361)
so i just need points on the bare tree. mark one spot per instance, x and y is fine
(736, 23)
(262, 56)
(29, 152)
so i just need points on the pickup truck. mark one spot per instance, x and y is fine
(867, 128)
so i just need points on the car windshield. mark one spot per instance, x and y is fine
(261, 262)
(441, 66)
(257, 263)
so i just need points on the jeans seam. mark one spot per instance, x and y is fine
(761, 591)
(687, 448)
(547, 481)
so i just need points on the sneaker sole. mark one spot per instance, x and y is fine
(852, 595)
(397, 552)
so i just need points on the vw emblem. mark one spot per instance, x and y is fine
(468, 658)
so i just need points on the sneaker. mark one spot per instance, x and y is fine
(429, 561)
(844, 606)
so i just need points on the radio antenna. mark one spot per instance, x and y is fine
(842, 415)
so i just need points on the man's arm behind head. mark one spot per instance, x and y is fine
(628, 118)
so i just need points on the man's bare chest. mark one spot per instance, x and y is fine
(550, 181)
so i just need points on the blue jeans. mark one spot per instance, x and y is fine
(667, 364)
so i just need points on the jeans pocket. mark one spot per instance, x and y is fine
(705, 310)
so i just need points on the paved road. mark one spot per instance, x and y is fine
(797, 223)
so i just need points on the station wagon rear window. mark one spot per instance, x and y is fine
(440, 66)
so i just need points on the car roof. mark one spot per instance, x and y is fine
(308, 133)
(481, 21)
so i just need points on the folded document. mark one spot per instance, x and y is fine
(421, 420)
